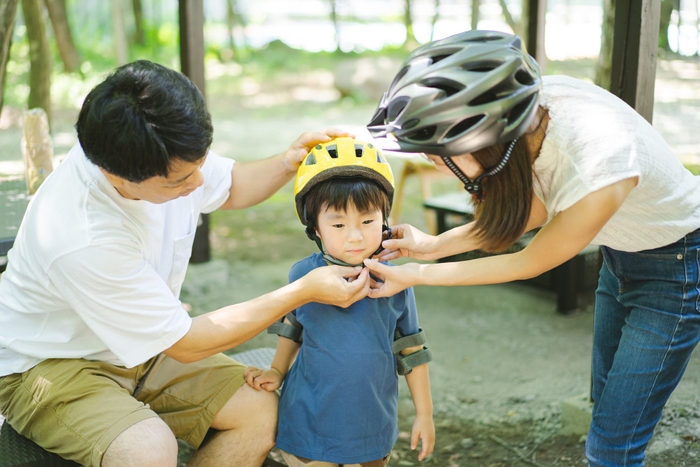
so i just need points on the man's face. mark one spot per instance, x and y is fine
(183, 178)
(350, 235)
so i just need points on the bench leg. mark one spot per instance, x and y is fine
(568, 277)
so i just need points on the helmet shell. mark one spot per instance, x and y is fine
(341, 157)
(460, 94)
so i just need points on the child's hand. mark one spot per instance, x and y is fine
(423, 429)
(268, 380)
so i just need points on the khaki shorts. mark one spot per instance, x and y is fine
(76, 408)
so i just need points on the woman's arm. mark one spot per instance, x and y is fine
(560, 240)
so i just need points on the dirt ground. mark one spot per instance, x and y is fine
(504, 359)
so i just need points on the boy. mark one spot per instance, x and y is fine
(339, 401)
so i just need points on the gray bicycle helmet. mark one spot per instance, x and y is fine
(460, 94)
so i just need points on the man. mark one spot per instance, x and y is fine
(99, 362)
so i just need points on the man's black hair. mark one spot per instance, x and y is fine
(140, 118)
(364, 194)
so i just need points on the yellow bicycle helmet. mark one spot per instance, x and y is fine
(341, 157)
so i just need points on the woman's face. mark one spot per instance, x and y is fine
(466, 163)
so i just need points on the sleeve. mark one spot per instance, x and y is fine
(407, 323)
(217, 181)
(122, 299)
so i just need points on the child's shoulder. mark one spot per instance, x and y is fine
(302, 267)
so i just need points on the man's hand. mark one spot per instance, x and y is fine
(423, 429)
(408, 242)
(267, 380)
(305, 142)
(337, 285)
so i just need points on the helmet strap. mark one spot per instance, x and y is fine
(474, 187)
(311, 233)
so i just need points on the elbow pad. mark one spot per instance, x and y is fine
(290, 331)
(406, 363)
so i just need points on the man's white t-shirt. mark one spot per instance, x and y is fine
(97, 276)
(594, 140)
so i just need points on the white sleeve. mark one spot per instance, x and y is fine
(122, 299)
(217, 181)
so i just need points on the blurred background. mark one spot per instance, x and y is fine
(276, 68)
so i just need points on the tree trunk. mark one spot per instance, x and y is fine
(121, 47)
(336, 24)
(667, 7)
(411, 41)
(8, 11)
(507, 16)
(475, 14)
(604, 64)
(436, 17)
(139, 36)
(64, 39)
(39, 57)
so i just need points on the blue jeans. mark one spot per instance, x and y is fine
(647, 323)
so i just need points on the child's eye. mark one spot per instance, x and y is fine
(338, 226)
(368, 221)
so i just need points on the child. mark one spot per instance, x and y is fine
(339, 401)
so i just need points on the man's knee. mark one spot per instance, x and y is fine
(250, 411)
(147, 443)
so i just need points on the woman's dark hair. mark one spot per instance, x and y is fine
(503, 213)
(364, 194)
(140, 118)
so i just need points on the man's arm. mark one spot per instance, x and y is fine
(230, 326)
(255, 181)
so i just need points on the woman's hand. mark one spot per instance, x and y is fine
(303, 144)
(408, 242)
(393, 279)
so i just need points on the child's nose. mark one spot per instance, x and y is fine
(355, 235)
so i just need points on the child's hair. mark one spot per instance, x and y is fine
(140, 118)
(364, 194)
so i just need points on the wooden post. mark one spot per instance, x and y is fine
(635, 42)
(192, 66)
(537, 9)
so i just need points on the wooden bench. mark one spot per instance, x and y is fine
(18, 451)
(568, 281)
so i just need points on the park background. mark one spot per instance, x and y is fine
(504, 359)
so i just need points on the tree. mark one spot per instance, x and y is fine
(139, 36)
(410, 41)
(436, 16)
(121, 47)
(667, 7)
(508, 17)
(39, 57)
(603, 67)
(475, 14)
(64, 39)
(8, 11)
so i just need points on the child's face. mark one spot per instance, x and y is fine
(350, 236)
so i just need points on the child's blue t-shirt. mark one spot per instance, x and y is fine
(339, 399)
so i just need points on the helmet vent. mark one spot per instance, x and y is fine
(483, 39)
(410, 124)
(464, 126)
(332, 151)
(358, 150)
(380, 158)
(424, 134)
(523, 77)
(311, 160)
(437, 58)
(378, 118)
(482, 66)
(449, 87)
(395, 108)
(501, 91)
(519, 109)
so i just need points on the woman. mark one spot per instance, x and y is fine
(566, 155)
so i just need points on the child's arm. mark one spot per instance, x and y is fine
(418, 382)
(271, 380)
